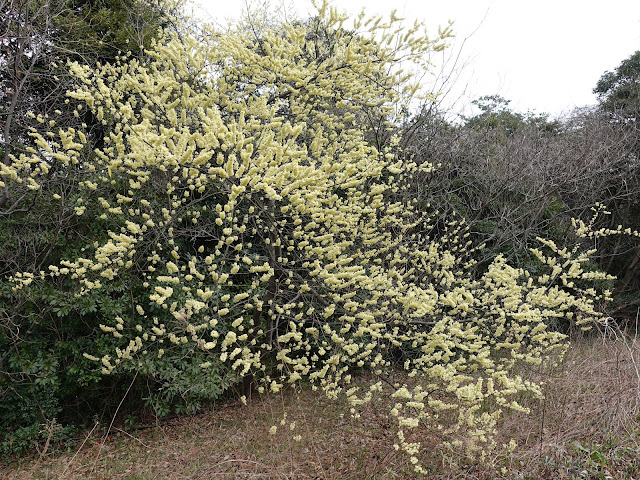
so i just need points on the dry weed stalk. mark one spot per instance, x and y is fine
(592, 398)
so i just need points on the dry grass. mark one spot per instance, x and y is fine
(588, 426)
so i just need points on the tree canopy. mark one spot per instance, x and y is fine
(619, 91)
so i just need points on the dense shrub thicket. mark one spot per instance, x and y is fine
(250, 215)
(518, 177)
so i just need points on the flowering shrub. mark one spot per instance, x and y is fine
(253, 212)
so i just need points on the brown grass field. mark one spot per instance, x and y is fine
(586, 427)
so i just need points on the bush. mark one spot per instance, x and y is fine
(253, 225)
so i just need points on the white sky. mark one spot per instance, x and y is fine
(545, 55)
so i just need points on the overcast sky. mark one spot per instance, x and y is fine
(545, 55)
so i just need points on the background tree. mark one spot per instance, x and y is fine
(619, 91)
(493, 173)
